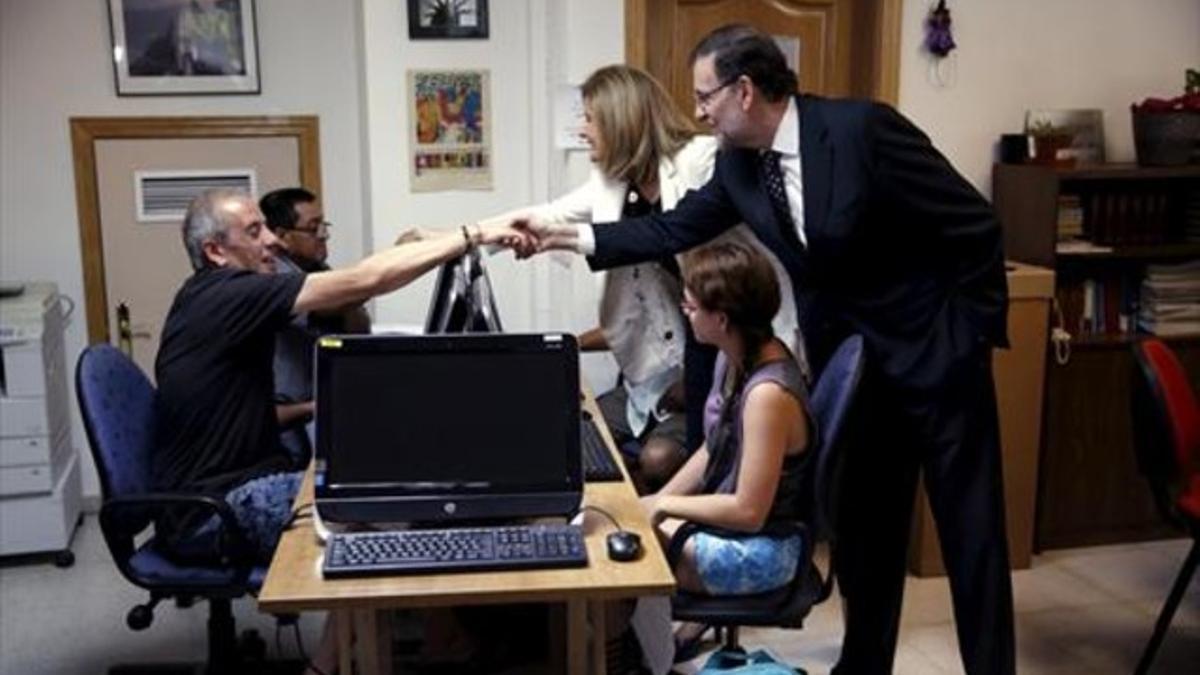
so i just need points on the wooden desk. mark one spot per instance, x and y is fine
(360, 605)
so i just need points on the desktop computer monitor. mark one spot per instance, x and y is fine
(462, 300)
(445, 427)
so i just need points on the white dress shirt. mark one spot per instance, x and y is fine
(787, 144)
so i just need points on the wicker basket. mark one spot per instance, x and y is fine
(1166, 138)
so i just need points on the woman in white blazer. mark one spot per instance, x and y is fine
(646, 156)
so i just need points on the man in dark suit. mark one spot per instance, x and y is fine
(881, 237)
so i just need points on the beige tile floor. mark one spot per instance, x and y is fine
(1078, 611)
(1086, 610)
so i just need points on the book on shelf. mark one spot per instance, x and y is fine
(1099, 306)
(1130, 216)
(1070, 217)
(1191, 216)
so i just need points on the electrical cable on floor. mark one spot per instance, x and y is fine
(303, 654)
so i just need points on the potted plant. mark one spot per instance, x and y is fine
(1048, 139)
(1167, 131)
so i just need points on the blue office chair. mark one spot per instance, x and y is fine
(787, 607)
(118, 405)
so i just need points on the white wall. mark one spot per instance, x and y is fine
(516, 118)
(54, 65)
(1017, 55)
(533, 45)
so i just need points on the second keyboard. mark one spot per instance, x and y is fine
(598, 462)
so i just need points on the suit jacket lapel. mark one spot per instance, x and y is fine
(760, 206)
(816, 164)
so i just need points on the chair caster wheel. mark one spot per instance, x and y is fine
(251, 646)
(139, 617)
(64, 558)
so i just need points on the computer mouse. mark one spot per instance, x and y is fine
(624, 546)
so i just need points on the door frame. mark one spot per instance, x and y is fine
(85, 131)
(884, 46)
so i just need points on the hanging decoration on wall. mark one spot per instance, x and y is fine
(450, 134)
(939, 43)
(938, 39)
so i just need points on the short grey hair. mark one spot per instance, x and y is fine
(205, 222)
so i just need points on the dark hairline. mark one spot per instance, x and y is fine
(275, 217)
(722, 41)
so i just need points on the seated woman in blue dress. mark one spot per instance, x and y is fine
(750, 472)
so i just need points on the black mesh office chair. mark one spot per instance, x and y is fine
(788, 606)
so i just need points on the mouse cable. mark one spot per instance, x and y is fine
(606, 514)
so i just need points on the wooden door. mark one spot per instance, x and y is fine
(144, 259)
(837, 47)
(140, 262)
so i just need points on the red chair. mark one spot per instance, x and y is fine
(1166, 424)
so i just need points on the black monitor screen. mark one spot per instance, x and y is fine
(440, 417)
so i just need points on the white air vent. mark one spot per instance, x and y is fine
(164, 195)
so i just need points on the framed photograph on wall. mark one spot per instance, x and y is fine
(447, 19)
(182, 47)
(1081, 129)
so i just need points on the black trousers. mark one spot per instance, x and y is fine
(953, 438)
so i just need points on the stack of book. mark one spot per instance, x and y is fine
(1170, 299)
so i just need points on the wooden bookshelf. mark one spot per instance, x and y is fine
(1026, 198)
(1089, 488)
(1119, 341)
(1165, 252)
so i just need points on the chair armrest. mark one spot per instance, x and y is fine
(123, 518)
(675, 546)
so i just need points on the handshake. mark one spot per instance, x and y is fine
(525, 235)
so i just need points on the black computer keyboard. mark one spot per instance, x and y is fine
(598, 462)
(454, 550)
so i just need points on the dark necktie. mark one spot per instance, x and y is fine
(806, 311)
(773, 182)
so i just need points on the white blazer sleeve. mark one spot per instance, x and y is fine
(573, 207)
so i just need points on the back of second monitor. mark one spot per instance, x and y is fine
(463, 301)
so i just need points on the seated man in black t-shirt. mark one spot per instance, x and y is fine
(219, 432)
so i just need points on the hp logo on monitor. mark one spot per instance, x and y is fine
(450, 508)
